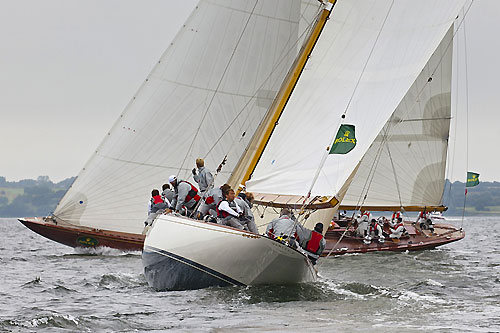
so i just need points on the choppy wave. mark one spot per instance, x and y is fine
(104, 251)
(453, 288)
(60, 289)
(53, 320)
(121, 280)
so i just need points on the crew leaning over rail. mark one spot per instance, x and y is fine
(208, 207)
(156, 203)
(312, 241)
(167, 194)
(229, 213)
(282, 226)
(186, 196)
(249, 221)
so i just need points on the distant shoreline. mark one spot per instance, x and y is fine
(39, 197)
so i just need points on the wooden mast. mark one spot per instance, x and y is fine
(249, 160)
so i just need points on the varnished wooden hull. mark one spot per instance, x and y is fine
(84, 237)
(417, 240)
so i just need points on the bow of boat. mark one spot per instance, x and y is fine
(182, 253)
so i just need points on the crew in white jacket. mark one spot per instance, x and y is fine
(398, 229)
(228, 212)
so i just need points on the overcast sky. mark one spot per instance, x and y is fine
(68, 68)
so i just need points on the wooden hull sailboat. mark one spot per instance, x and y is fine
(337, 243)
(264, 87)
(182, 253)
(209, 87)
(83, 237)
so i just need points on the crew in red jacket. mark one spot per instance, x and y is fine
(315, 244)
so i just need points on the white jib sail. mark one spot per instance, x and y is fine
(409, 168)
(214, 82)
(366, 59)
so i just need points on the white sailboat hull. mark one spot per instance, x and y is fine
(181, 253)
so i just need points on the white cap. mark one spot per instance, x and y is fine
(172, 179)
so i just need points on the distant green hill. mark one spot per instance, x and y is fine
(29, 197)
(483, 199)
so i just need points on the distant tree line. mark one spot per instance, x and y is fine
(29, 197)
(481, 199)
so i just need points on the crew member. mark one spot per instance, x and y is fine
(204, 177)
(362, 229)
(427, 225)
(186, 195)
(398, 230)
(248, 197)
(282, 226)
(367, 214)
(422, 217)
(315, 243)
(375, 230)
(211, 200)
(156, 203)
(395, 216)
(249, 220)
(167, 194)
(228, 212)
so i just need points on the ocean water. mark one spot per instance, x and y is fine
(48, 287)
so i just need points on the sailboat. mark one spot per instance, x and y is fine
(359, 61)
(404, 168)
(205, 97)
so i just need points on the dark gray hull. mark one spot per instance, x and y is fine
(167, 271)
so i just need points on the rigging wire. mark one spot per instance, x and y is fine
(219, 83)
(305, 32)
(395, 176)
(251, 98)
(425, 86)
(339, 123)
(368, 59)
(98, 184)
(386, 138)
(466, 120)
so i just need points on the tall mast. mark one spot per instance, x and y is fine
(256, 147)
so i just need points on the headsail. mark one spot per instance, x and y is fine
(214, 83)
(405, 165)
(366, 59)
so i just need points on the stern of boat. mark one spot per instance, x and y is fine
(80, 236)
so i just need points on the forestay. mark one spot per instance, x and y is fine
(405, 165)
(214, 83)
(365, 61)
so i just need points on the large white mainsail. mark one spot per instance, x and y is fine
(405, 165)
(214, 83)
(367, 58)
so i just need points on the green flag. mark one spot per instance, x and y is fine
(345, 140)
(472, 179)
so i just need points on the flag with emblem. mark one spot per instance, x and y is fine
(345, 141)
(472, 179)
